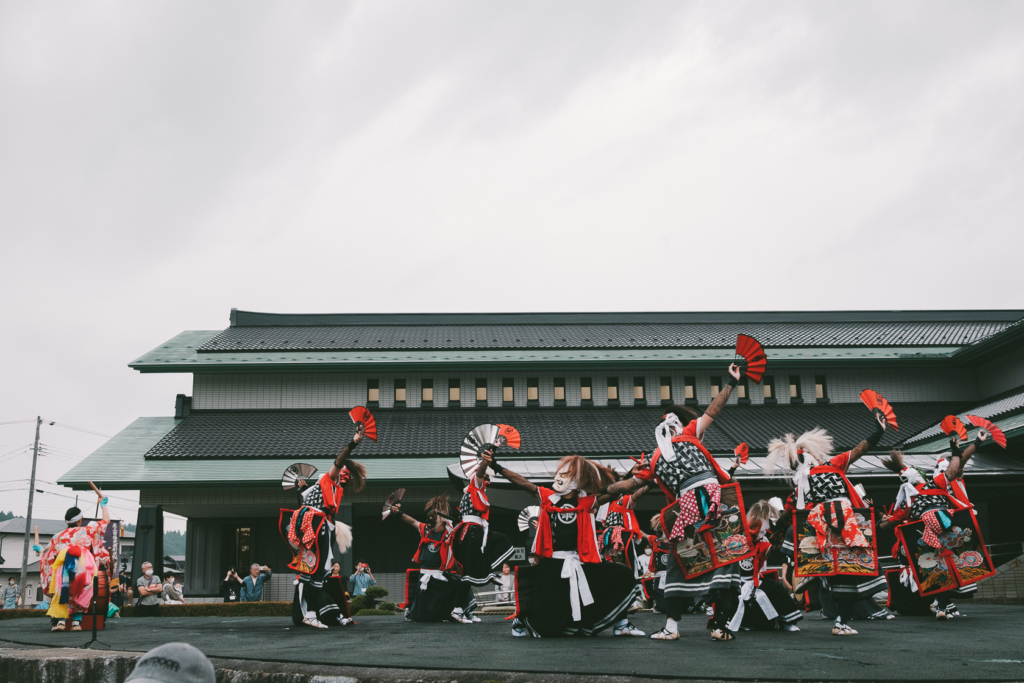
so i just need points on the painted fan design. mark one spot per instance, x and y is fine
(498, 435)
(877, 404)
(394, 498)
(291, 476)
(952, 423)
(510, 435)
(990, 427)
(753, 354)
(361, 414)
(471, 445)
(528, 515)
(743, 450)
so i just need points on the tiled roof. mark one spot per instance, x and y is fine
(546, 432)
(47, 527)
(991, 411)
(600, 335)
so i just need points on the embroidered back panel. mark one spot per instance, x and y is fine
(825, 486)
(962, 560)
(810, 560)
(728, 542)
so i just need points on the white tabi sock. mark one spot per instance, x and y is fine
(671, 626)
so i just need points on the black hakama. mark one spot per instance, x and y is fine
(787, 609)
(544, 603)
(481, 565)
(311, 599)
(439, 599)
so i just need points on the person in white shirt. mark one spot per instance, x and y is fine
(507, 581)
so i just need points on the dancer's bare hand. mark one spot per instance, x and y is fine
(735, 371)
(360, 433)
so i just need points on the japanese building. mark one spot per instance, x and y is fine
(274, 389)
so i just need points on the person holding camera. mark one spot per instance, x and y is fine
(252, 585)
(231, 586)
(362, 579)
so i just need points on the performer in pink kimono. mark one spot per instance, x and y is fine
(68, 565)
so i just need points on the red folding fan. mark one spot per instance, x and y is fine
(990, 427)
(743, 450)
(511, 436)
(952, 423)
(361, 414)
(876, 403)
(753, 353)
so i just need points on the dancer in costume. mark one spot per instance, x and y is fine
(435, 592)
(317, 539)
(685, 471)
(934, 504)
(480, 551)
(622, 536)
(68, 564)
(653, 583)
(570, 591)
(823, 488)
(764, 603)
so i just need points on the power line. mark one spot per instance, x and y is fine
(79, 429)
(16, 422)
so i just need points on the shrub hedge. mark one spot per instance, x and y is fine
(21, 613)
(196, 609)
(374, 613)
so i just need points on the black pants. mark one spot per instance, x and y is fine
(147, 610)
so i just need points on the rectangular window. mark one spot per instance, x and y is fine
(559, 387)
(820, 389)
(399, 393)
(794, 389)
(508, 391)
(741, 390)
(716, 386)
(454, 393)
(768, 386)
(586, 398)
(373, 393)
(690, 392)
(613, 391)
(481, 392)
(427, 392)
(532, 391)
(666, 391)
(639, 392)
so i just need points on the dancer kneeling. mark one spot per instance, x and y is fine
(570, 591)
(434, 592)
(764, 604)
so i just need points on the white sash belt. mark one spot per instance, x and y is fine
(746, 593)
(473, 519)
(427, 574)
(579, 589)
(907, 579)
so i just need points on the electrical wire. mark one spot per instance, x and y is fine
(16, 422)
(79, 429)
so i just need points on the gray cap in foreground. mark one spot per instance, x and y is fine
(173, 663)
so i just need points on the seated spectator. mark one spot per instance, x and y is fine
(231, 586)
(252, 585)
(120, 591)
(362, 579)
(172, 593)
(173, 663)
(151, 590)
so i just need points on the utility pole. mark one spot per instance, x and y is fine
(28, 515)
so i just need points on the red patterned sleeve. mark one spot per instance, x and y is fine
(96, 532)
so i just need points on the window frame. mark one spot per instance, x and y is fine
(794, 381)
(821, 387)
(640, 401)
(610, 384)
(426, 385)
(556, 384)
(456, 384)
(372, 385)
(690, 387)
(666, 382)
(588, 384)
(399, 385)
(508, 392)
(533, 385)
(481, 383)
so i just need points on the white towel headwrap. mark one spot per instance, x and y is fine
(664, 432)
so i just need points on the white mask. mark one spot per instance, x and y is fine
(563, 484)
(149, 572)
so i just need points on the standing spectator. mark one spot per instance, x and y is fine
(252, 585)
(10, 596)
(336, 569)
(362, 579)
(507, 582)
(172, 593)
(231, 586)
(150, 591)
(173, 663)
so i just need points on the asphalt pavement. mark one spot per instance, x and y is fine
(986, 644)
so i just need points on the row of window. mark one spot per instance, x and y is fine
(508, 391)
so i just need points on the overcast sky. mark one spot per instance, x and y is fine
(162, 162)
